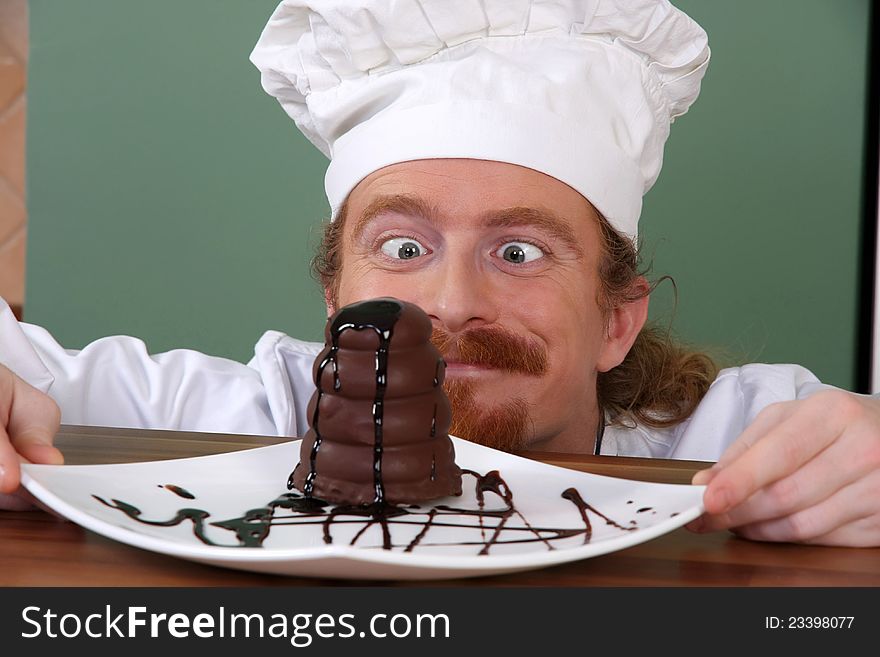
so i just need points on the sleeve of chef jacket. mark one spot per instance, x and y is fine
(115, 382)
(733, 401)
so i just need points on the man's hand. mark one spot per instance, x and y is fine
(804, 471)
(29, 421)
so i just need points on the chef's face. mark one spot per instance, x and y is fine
(505, 261)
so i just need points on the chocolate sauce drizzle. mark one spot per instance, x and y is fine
(253, 527)
(574, 496)
(177, 490)
(379, 315)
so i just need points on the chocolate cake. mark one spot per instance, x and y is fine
(379, 417)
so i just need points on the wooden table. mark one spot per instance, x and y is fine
(38, 549)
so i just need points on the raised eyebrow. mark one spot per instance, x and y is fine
(544, 220)
(402, 203)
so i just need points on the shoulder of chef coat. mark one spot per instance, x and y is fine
(736, 396)
(114, 381)
(285, 366)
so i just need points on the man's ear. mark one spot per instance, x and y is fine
(329, 302)
(624, 324)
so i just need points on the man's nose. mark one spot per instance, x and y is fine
(459, 298)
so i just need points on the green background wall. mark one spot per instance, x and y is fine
(171, 199)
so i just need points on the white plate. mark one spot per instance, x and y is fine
(226, 486)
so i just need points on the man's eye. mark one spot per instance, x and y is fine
(402, 248)
(519, 252)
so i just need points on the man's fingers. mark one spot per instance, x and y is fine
(832, 519)
(9, 468)
(15, 502)
(34, 419)
(22, 500)
(864, 532)
(38, 453)
(29, 421)
(770, 417)
(839, 465)
(787, 446)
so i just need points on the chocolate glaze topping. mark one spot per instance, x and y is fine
(379, 416)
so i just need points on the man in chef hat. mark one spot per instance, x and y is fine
(488, 160)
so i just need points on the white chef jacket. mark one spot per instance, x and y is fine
(115, 382)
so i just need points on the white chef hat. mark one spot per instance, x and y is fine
(581, 90)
